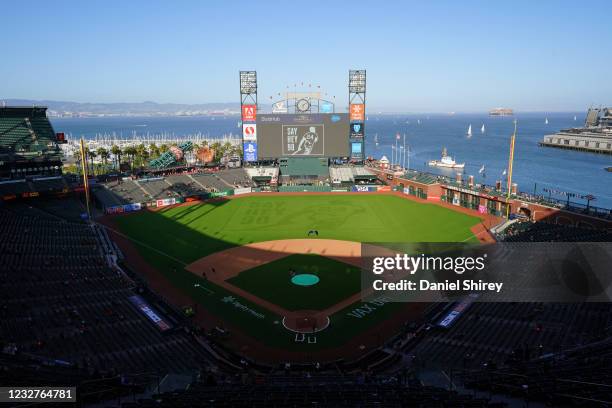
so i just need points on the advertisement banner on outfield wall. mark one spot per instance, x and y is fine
(221, 193)
(364, 189)
(384, 188)
(244, 190)
(165, 202)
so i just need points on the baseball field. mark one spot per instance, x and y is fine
(282, 271)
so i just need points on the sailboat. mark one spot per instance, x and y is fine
(574, 118)
(482, 129)
(469, 131)
(546, 121)
(376, 139)
(418, 121)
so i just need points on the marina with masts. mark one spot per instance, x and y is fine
(108, 140)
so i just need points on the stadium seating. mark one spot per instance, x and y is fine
(545, 232)
(61, 300)
(579, 376)
(314, 390)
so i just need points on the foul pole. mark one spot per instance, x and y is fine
(85, 177)
(510, 163)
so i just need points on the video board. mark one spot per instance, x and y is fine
(302, 135)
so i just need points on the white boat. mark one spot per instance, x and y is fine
(546, 121)
(376, 139)
(469, 131)
(446, 161)
(482, 129)
(574, 118)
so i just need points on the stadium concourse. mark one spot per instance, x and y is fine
(75, 312)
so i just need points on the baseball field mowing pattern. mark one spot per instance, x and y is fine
(191, 232)
(171, 238)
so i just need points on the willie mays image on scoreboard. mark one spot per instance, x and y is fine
(304, 140)
(302, 135)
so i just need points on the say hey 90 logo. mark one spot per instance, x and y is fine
(249, 113)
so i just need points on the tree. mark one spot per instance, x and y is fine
(104, 155)
(116, 151)
(154, 150)
(130, 152)
(163, 148)
(92, 155)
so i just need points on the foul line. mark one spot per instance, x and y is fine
(143, 244)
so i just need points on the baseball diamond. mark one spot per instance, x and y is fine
(234, 260)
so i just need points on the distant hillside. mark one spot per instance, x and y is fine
(128, 108)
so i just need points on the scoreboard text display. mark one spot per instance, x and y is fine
(302, 135)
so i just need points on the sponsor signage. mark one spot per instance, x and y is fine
(357, 130)
(220, 193)
(326, 107)
(357, 112)
(249, 113)
(249, 132)
(150, 313)
(242, 190)
(250, 151)
(279, 107)
(364, 189)
(457, 311)
(357, 150)
(165, 202)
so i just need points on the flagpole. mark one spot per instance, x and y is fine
(510, 163)
(85, 176)
(404, 158)
(396, 155)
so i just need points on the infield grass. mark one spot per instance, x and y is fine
(272, 282)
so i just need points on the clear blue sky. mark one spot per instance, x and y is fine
(432, 56)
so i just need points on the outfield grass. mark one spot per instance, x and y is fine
(272, 282)
(171, 238)
(191, 232)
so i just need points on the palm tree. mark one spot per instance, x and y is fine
(163, 148)
(92, 155)
(77, 156)
(141, 151)
(154, 150)
(130, 152)
(116, 151)
(218, 153)
(104, 155)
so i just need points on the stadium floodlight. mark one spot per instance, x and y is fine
(248, 82)
(357, 81)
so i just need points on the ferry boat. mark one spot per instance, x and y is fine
(446, 161)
